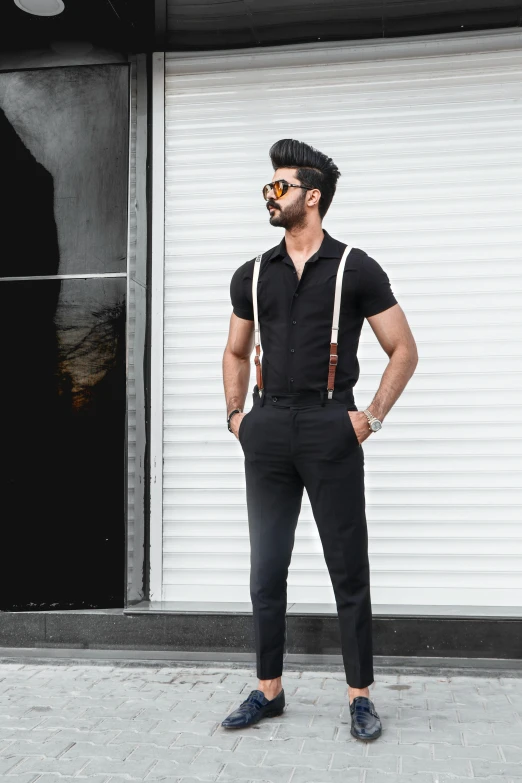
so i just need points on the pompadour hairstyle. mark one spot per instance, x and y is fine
(314, 168)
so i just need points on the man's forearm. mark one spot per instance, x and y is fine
(236, 377)
(398, 372)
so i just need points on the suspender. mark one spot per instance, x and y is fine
(335, 324)
(257, 360)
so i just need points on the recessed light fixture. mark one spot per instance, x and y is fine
(41, 7)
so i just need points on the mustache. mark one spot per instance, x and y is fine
(270, 203)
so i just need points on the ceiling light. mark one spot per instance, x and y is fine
(41, 7)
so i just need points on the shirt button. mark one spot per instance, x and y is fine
(292, 350)
(294, 322)
(274, 399)
(291, 380)
(296, 294)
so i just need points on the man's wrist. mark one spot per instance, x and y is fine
(374, 423)
(375, 411)
(231, 415)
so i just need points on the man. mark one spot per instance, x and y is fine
(299, 433)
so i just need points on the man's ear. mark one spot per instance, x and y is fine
(313, 197)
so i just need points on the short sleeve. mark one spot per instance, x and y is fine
(375, 293)
(241, 302)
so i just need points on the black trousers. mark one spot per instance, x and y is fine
(289, 442)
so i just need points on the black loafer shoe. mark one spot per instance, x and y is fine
(366, 724)
(255, 707)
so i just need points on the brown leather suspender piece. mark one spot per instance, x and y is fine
(335, 325)
(257, 357)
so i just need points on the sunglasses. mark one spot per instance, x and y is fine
(280, 187)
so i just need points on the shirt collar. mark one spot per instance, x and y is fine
(330, 248)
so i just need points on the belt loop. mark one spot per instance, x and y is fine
(322, 398)
(263, 396)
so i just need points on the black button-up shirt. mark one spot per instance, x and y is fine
(295, 315)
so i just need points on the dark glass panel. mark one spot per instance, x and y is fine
(64, 163)
(62, 477)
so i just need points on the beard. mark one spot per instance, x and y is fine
(294, 216)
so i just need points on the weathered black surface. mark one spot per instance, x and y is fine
(213, 24)
(424, 637)
(123, 25)
(198, 25)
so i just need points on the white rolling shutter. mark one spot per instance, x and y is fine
(427, 136)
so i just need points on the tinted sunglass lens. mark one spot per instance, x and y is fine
(278, 189)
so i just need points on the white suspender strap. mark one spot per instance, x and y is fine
(335, 323)
(257, 339)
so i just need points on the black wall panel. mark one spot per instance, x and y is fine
(64, 158)
(195, 25)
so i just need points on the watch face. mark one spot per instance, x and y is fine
(376, 425)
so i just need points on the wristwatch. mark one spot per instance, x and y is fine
(236, 410)
(373, 421)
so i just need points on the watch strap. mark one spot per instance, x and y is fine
(369, 415)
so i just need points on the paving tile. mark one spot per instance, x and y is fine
(483, 769)
(76, 735)
(62, 722)
(183, 755)
(91, 750)
(125, 724)
(489, 779)
(289, 746)
(217, 740)
(410, 736)
(453, 766)
(320, 732)
(506, 738)
(8, 762)
(317, 761)
(304, 775)
(274, 774)
(202, 770)
(55, 766)
(351, 746)
(239, 756)
(384, 763)
(163, 740)
(478, 751)
(418, 751)
(375, 776)
(512, 753)
(49, 749)
(56, 778)
(135, 770)
(203, 727)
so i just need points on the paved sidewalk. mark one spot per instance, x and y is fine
(83, 721)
